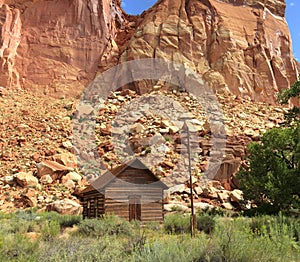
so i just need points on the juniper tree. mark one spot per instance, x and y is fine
(272, 179)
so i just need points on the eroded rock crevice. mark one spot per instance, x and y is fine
(58, 47)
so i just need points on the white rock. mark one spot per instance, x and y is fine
(175, 207)
(67, 145)
(198, 190)
(227, 206)
(137, 128)
(173, 129)
(84, 110)
(46, 179)
(8, 180)
(164, 130)
(157, 139)
(65, 206)
(201, 205)
(236, 195)
(71, 176)
(177, 189)
(26, 179)
(69, 184)
(163, 149)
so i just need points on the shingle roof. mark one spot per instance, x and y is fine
(101, 182)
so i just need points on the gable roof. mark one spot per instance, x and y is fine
(110, 175)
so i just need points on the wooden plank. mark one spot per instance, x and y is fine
(149, 211)
(151, 219)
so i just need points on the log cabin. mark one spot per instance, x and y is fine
(130, 191)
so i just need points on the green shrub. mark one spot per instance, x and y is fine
(276, 225)
(28, 214)
(108, 225)
(234, 240)
(175, 248)
(152, 226)
(48, 216)
(17, 247)
(215, 211)
(69, 220)
(50, 230)
(176, 223)
(76, 248)
(206, 224)
(135, 243)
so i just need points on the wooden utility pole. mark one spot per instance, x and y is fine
(193, 216)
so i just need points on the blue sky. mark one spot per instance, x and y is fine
(292, 12)
(292, 17)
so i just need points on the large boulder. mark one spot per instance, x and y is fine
(26, 179)
(65, 207)
(66, 159)
(29, 198)
(53, 169)
(73, 176)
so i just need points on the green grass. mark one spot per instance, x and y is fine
(219, 238)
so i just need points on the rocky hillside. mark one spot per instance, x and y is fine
(38, 167)
(58, 46)
(50, 50)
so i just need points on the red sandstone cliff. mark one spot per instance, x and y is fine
(57, 45)
(240, 45)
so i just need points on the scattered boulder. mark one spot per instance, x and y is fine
(26, 179)
(29, 197)
(83, 111)
(236, 195)
(3, 91)
(227, 206)
(198, 190)
(46, 180)
(8, 180)
(67, 145)
(54, 169)
(223, 196)
(201, 205)
(175, 207)
(137, 128)
(65, 207)
(176, 189)
(66, 159)
(210, 192)
(73, 176)
(70, 185)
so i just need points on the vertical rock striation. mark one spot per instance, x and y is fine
(242, 46)
(63, 43)
(59, 46)
(10, 38)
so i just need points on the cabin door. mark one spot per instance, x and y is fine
(134, 207)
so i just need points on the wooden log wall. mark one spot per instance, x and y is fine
(93, 205)
(117, 201)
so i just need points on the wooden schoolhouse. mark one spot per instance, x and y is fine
(130, 191)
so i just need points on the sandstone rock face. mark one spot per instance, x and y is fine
(58, 46)
(277, 7)
(10, 38)
(243, 46)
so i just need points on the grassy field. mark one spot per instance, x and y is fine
(29, 236)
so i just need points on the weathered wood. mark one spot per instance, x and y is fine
(131, 194)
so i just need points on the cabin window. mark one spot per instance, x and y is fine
(134, 207)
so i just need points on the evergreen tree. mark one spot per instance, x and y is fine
(272, 179)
